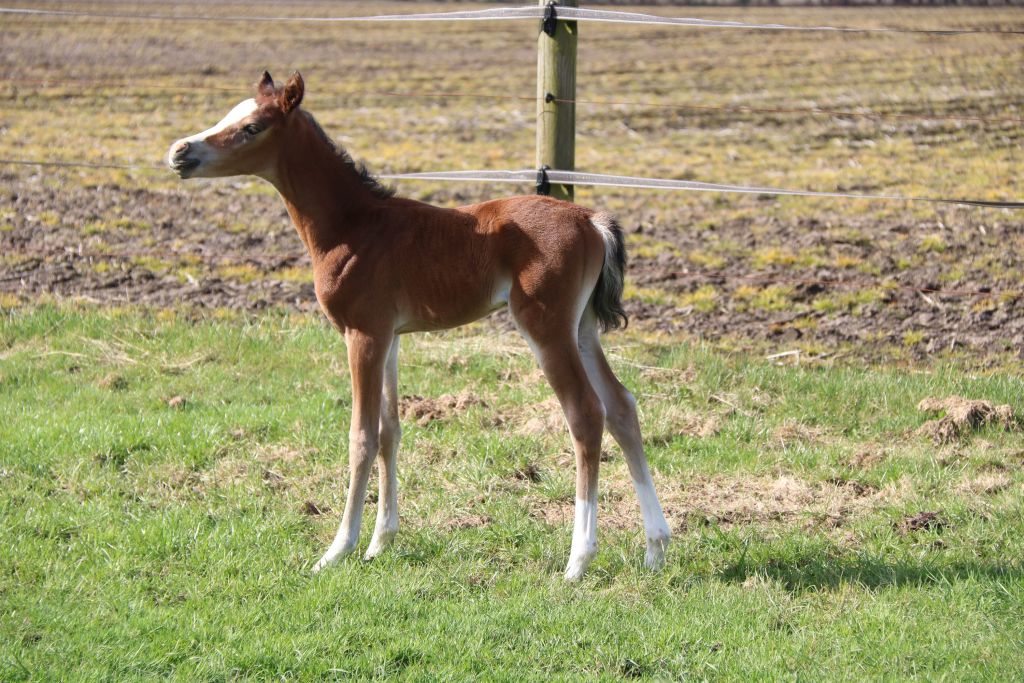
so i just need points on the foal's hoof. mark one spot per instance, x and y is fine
(654, 559)
(578, 566)
(331, 556)
(379, 544)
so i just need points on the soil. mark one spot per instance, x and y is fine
(149, 254)
(171, 249)
(922, 521)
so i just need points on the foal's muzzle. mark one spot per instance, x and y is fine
(178, 159)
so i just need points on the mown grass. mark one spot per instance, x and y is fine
(145, 537)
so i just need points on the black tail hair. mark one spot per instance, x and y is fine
(607, 297)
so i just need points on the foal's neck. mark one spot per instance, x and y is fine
(323, 192)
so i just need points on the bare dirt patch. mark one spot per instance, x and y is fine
(963, 416)
(922, 521)
(184, 259)
(728, 501)
(859, 488)
(424, 410)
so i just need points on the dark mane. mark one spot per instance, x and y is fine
(368, 180)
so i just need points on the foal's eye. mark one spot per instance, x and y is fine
(252, 129)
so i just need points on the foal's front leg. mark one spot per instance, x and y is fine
(387, 461)
(366, 358)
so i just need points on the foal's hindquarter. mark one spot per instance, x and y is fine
(431, 268)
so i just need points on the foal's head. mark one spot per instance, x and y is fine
(246, 141)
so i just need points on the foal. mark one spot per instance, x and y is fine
(384, 266)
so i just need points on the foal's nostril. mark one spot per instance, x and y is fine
(180, 148)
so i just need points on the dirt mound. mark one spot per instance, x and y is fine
(423, 411)
(528, 472)
(313, 509)
(962, 416)
(922, 521)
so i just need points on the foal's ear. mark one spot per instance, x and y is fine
(291, 94)
(266, 85)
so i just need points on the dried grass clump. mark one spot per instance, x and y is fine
(542, 419)
(986, 484)
(791, 432)
(697, 425)
(962, 416)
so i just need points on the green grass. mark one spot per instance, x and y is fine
(143, 540)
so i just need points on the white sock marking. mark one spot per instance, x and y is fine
(584, 538)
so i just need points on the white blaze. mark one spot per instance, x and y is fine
(241, 110)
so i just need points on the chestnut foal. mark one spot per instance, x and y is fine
(384, 266)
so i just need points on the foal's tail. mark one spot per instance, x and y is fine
(607, 297)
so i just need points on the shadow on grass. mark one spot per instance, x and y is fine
(827, 571)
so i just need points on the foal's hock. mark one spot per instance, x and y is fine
(385, 265)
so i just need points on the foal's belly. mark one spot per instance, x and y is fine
(455, 310)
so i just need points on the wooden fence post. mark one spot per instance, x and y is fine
(556, 80)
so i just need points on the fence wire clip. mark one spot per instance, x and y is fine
(550, 19)
(543, 184)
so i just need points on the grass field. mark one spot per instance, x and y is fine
(168, 483)
(173, 410)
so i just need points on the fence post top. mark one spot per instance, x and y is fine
(550, 18)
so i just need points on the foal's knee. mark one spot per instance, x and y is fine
(362, 448)
(390, 432)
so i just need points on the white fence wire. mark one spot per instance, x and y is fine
(536, 12)
(504, 14)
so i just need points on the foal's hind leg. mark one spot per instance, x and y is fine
(621, 418)
(390, 434)
(559, 358)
